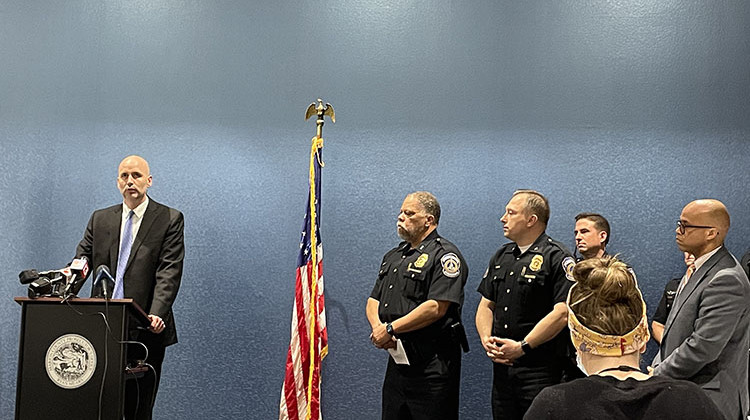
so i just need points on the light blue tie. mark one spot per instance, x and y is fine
(122, 259)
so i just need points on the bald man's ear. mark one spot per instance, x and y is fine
(430, 220)
(532, 220)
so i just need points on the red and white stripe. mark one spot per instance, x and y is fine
(297, 382)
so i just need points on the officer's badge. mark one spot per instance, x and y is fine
(421, 261)
(536, 263)
(568, 264)
(451, 265)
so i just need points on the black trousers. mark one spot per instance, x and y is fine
(140, 393)
(515, 387)
(427, 391)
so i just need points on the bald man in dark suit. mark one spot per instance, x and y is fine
(151, 235)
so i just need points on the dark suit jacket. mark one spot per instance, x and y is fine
(707, 334)
(152, 276)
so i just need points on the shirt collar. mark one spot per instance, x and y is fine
(138, 210)
(703, 258)
(405, 245)
(427, 239)
(534, 247)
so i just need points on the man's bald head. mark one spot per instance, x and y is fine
(133, 180)
(711, 212)
(705, 224)
(135, 160)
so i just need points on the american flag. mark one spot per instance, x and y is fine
(300, 394)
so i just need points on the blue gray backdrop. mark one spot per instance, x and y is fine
(628, 108)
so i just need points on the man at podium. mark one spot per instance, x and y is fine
(141, 241)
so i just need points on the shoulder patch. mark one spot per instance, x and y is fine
(568, 264)
(451, 265)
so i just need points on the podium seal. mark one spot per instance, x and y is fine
(70, 361)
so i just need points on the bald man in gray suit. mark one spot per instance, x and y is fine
(707, 333)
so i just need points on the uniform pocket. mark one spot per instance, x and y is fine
(530, 284)
(497, 277)
(415, 286)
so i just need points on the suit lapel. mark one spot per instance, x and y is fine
(148, 220)
(696, 279)
(114, 247)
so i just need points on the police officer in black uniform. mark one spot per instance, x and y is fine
(522, 310)
(591, 234)
(416, 305)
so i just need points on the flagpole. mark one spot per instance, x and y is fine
(317, 144)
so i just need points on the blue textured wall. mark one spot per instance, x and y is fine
(631, 109)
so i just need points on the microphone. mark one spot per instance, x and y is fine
(80, 267)
(44, 283)
(48, 283)
(28, 276)
(76, 274)
(105, 278)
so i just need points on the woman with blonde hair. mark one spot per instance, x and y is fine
(609, 329)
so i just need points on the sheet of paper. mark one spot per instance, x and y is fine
(399, 354)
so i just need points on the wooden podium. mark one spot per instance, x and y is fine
(70, 365)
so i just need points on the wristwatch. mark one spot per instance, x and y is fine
(389, 330)
(525, 347)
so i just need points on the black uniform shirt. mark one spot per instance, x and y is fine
(410, 276)
(666, 302)
(525, 287)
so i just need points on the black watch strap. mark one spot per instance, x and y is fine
(389, 329)
(526, 347)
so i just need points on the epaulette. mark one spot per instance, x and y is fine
(445, 244)
(558, 245)
(506, 247)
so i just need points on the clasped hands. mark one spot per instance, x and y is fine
(502, 350)
(381, 339)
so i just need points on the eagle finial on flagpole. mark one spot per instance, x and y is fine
(321, 110)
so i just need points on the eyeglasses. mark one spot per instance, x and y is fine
(682, 226)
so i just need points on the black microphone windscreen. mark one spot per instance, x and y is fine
(103, 272)
(104, 278)
(28, 276)
(99, 270)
